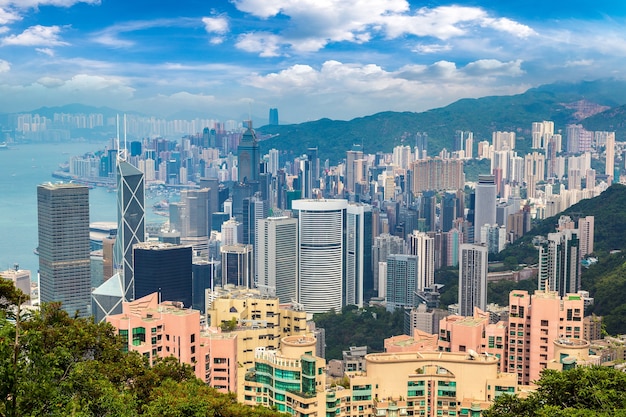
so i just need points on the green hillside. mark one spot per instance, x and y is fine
(383, 131)
(606, 280)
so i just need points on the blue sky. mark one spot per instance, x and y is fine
(309, 58)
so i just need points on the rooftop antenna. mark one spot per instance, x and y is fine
(125, 148)
(117, 130)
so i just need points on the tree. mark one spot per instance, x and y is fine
(582, 391)
(54, 365)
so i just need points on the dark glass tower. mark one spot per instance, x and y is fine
(131, 228)
(164, 268)
(64, 262)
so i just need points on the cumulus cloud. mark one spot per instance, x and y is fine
(215, 24)
(50, 82)
(4, 66)
(8, 16)
(266, 44)
(433, 48)
(36, 36)
(313, 24)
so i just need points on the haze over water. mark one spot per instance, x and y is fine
(22, 168)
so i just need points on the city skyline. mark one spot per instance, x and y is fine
(348, 58)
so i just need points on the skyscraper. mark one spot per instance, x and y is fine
(559, 262)
(321, 253)
(485, 204)
(237, 265)
(385, 245)
(277, 256)
(64, 262)
(609, 166)
(131, 227)
(423, 246)
(359, 278)
(351, 175)
(402, 272)
(273, 119)
(472, 278)
(248, 156)
(163, 268)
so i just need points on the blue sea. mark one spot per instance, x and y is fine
(22, 168)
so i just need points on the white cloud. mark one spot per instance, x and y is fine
(110, 36)
(266, 44)
(433, 48)
(579, 63)
(5, 66)
(26, 4)
(313, 24)
(50, 82)
(509, 26)
(36, 36)
(493, 67)
(215, 24)
(45, 51)
(8, 16)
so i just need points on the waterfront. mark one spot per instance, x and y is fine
(22, 168)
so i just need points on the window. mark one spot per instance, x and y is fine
(193, 338)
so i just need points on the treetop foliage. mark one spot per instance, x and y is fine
(54, 365)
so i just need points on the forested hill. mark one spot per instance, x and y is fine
(606, 280)
(609, 210)
(561, 103)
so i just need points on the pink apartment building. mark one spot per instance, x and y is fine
(158, 330)
(474, 333)
(535, 322)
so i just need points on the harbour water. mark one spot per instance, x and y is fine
(22, 168)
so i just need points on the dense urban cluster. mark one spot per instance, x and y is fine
(254, 245)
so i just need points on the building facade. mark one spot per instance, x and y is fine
(473, 265)
(321, 253)
(64, 249)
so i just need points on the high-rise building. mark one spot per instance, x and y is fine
(423, 246)
(64, 261)
(586, 228)
(359, 282)
(449, 205)
(559, 262)
(254, 209)
(20, 279)
(351, 173)
(163, 268)
(541, 134)
(472, 278)
(321, 253)
(609, 165)
(485, 204)
(535, 323)
(277, 256)
(453, 241)
(238, 265)
(273, 119)
(383, 246)
(232, 232)
(248, 156)
(503, 141)
(438, 174)
(402, 276)
(131, 228)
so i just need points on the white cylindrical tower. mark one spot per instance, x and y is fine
(321, 253)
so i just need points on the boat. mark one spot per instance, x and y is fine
(3, 146)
